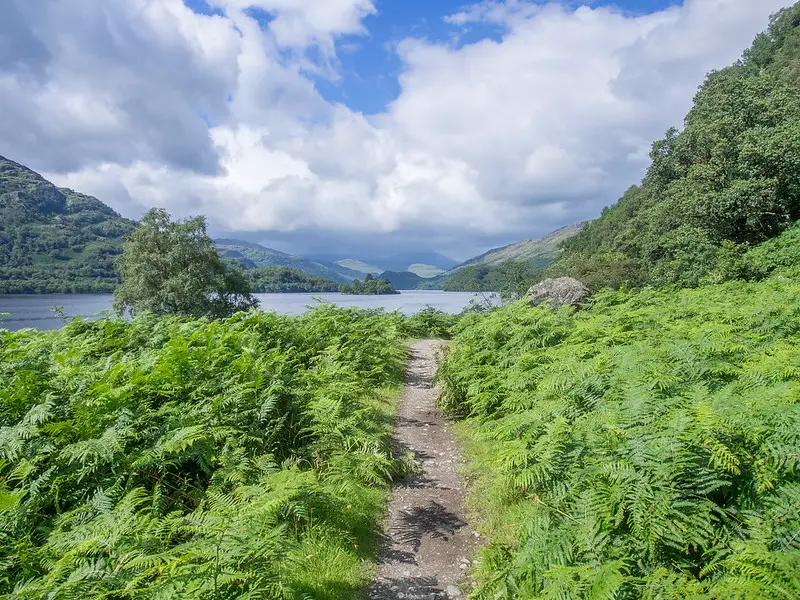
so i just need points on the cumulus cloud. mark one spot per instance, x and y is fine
(303, 23)
(145, 102)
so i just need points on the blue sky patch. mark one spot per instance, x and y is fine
(369, 66)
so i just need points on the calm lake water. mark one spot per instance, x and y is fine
(37, 310)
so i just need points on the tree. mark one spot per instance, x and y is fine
(173, 268)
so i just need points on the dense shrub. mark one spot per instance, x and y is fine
(173, 458)
(645, 448)
(430, 322)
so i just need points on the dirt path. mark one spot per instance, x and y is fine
(428, 544)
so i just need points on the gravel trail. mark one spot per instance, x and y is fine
(428, 543)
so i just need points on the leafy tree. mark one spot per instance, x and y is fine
(731, 175)
(172, 267)
(369, 287)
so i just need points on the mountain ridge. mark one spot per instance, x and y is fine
(55, 240)
(254, 255)
(534, 250)
(505, 267)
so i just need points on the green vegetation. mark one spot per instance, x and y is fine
(645, 448)
(173, 268)
(55, 240)
(370, 286)
(728, 180)
(507, 278)
(430, 323)
(281, 279)
(173, 458)
(779, 256)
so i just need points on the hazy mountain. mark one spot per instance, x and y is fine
(539, 252)
(404, 280)
(422, 263)
(405, 260)
(255, 255)
(55, 239)
(358, 265)
(425, 271)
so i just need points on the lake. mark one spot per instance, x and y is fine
(36, 311)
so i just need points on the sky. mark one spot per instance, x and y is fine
(358, 127)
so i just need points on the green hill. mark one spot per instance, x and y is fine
(358, 265)
(726, 182)
(509, 268)
(402, 280)
(53, 239)
(256, 256)
(285, 280)
(540, 253)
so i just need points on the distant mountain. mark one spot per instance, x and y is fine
(419, 260)
(358, 265)
(423, 263)
(402, 280)
(257, 256)
(487, 272)
(55, 240)
(540, 253)
(425, 271)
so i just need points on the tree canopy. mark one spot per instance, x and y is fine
(727, 180)
(172, 267)
(369, 287)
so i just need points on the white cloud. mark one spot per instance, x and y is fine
(494, 11)
(144, 102)
(301, 23)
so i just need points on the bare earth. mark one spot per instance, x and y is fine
(428, 543)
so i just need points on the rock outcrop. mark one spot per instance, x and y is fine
(560, 291)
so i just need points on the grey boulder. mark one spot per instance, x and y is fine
(559, 291)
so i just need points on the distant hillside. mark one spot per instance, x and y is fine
(503, 268)
(404, 280)
(423, 263)
(540, 253)
(55, 240)
(257, 256)
(358, 265)
(424, 270)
